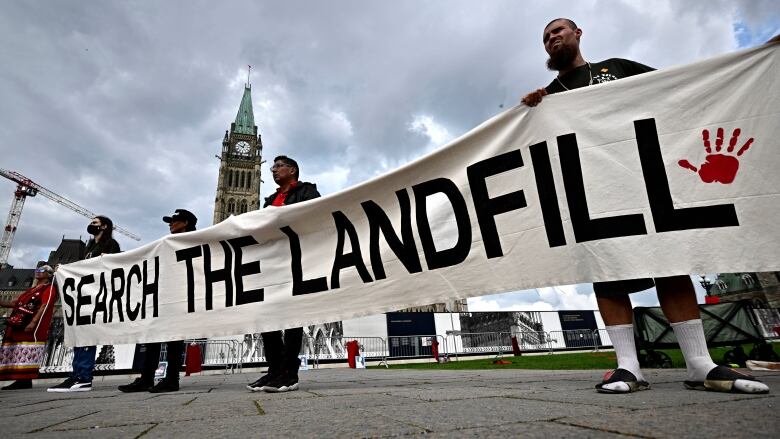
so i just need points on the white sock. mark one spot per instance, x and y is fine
(690, 335)
(622, 337)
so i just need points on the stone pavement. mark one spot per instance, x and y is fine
(378, 403)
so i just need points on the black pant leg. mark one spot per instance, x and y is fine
(272, 345)
(293, 339)
(175, 350)
(151, 361)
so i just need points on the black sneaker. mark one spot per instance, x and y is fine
(138, 385)
(71, 385)
(724, 379)
(165, 385)
(260, 383)
(19, 385)
(282, 384)
(621, 381)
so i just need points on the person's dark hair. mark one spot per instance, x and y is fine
(570, 22)
(107, 234)
(190, 227)
(293, 164)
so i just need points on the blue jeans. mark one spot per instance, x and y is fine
(83, 362)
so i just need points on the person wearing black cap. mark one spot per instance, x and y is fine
(281, 352)
(181, 221)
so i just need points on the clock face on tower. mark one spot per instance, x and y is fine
(241, 148)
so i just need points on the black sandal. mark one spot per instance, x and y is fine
(628, 379)
(724, 379)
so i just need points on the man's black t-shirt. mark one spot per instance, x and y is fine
(604, 71)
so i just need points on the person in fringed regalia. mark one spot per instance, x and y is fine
(26, 330)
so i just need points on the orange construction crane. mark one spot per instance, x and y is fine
(28, 188)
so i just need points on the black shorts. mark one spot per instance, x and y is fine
(623, 286)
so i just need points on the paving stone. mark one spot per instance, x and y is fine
(276, 403)
(36, 422)
(123, 432)
(382, 403)
(660, 395)
(753, 417)
(527, 430)
(331, 423)
(162, 408)
(481, 412)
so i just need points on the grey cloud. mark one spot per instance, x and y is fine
(135, 96)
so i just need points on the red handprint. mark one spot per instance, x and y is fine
(719, 167)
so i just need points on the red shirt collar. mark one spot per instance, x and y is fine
(292, 185)
(282, 196)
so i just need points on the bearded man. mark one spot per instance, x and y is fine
(676, 295)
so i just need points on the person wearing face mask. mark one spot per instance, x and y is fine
(80, 380)
(24, 341)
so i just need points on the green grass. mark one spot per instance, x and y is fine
(560, 361)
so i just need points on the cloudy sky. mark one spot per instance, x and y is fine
(120, 106)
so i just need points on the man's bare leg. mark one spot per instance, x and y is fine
(615, 309)
(618, 318)
(677, 298)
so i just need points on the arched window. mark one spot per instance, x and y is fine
(243, 206)
(231, 206)
(243, 174)
(248, 180)
(230, 178)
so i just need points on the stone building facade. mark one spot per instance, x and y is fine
(238, 184)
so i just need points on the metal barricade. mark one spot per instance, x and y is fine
(334, 348)
(251, 349)
(573, 339)
(324, 348)
(232, 354)
(56, 357)
(533, 341)
(484, 342)
(225, 353)
(411, 346)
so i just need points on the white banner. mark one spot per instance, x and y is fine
(669, 172)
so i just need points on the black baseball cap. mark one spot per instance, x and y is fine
(182, 215)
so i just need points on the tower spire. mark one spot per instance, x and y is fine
(248, 73)
(245, 119)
